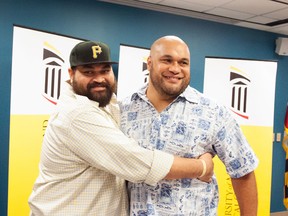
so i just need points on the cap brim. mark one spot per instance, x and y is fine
(89, 63)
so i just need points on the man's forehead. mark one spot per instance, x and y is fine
(182, 57)
(172, 52)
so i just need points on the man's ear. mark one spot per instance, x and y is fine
(149, 63)
(71, 74)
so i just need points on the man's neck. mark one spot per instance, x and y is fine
(159, 101)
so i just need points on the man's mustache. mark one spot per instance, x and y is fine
(96, 84)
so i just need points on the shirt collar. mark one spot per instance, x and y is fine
(190, 94)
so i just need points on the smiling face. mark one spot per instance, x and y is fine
(95, 81)
(169, 67)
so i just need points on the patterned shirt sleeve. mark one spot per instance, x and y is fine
(231, 145)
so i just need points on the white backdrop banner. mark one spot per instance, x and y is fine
(40, 64)
(132, 73)
(247, 88)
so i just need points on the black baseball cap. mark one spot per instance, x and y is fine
(90, 52)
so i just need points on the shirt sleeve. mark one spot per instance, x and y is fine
(232, 147)
(98, 141)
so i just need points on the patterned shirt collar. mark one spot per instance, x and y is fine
(190, 94)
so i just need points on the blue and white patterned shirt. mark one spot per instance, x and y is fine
(190, 126)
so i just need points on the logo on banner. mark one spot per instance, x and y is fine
(239, 89)
(53, 65)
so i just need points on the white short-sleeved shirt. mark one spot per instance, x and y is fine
(85, 159)
(190, 126)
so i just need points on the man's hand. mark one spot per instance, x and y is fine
(207, 158)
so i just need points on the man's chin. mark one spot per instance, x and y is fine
(102, 99)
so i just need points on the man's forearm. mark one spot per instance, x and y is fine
(192, 168)
(245, 189)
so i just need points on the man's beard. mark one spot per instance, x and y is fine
(103, 97)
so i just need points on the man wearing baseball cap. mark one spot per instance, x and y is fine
(85, 158)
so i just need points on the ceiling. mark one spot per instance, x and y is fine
(266, 15)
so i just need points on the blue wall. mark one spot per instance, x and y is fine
(115, 24)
